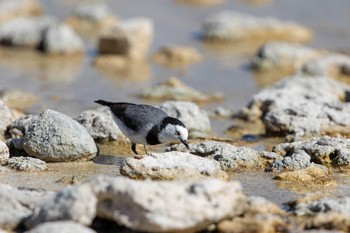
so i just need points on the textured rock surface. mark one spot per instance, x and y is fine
(297, 160)
(4, 152)
(282, 55)
(76, 203)
(172, 166)
(27, 164)
(195, 119)
(174, 89)
(100, 124)
(16, 205)
(174, 56)
(329, 213)
(325, 150)
(19, 127)
(6, 116)
(61, 227)
(230, 157)
(130, 38)
(284, 107)
(55, 137)
(233, 26)
(24, 32)
(333, 65)
(10, 9)
(167, 206)
(60, 39)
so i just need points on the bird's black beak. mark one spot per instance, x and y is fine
(185, 143)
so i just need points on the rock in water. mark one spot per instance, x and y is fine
(55, 137)
(158, 206)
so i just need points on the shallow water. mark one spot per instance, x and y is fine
(71, 84)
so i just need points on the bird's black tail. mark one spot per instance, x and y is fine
(103, 102)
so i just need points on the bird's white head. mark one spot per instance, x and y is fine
(173, 130)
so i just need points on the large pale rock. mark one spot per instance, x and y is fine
(27, 164)
(55, 137)
(230, 157)
(100, 124)
(60, 39)
(130, 38)
(234, 26)
(24, 32)
(4, 152)
(61, 227)
(274, 55)
(172, 166)
(10, 9)
(167, 206)
(17, 205)
(76, 203)
(285, 107)
(325, 150)
(174, 89)
(195, 119)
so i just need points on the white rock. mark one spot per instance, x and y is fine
(61, 227)
(167, 206)
(4, 152)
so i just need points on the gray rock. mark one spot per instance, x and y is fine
(6, 116)
(332, 65)
(61, 227)
(76, 203)
(60, 39)
(231, 26)
(100, 124)
(19, 127)
(230, 157)
(285, 107)
(130, 38)
(290, 162)
(282, 55)
(195, 119)
(323, 205)
(55, 137)
(325, 150)
(27, 164)
(24, 32)
(17, 205)
(167, 206)
(92, 11)
(172, 166)
(4, 152)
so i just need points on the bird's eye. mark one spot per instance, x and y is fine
(177, 133)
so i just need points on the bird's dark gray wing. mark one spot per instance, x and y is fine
(138, 116)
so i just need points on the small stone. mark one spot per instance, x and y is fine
(76, 203)
(279, 55)
(60, 39)
(175, 56)
(130, 38)
(100, 124)
(4, 152)
(195, 119)
(174, 89)
(234, 26)
(160, 206)
(296, 161)
(172, 166)
(61, 227)
(26, 164)
(55, 137)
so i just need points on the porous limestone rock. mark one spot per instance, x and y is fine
(297, 160)
(27, 164)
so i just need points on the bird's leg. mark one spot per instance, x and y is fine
(144, 146)
(133, 148)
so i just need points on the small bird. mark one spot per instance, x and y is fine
(145, 124)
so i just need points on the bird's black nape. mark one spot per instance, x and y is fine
(171, 120)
